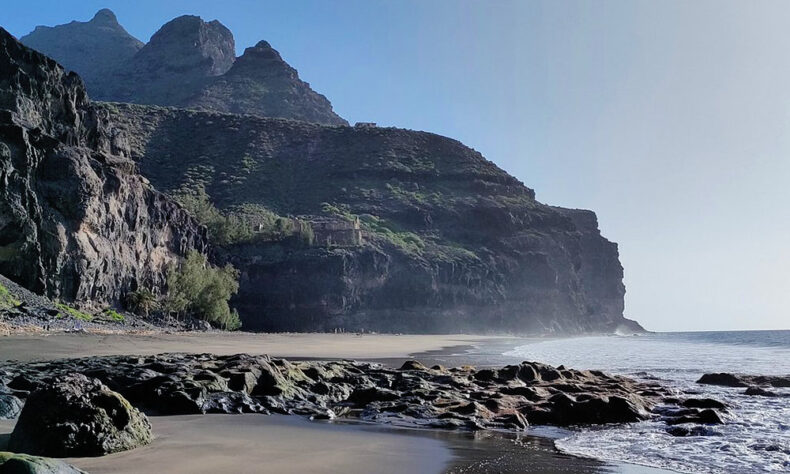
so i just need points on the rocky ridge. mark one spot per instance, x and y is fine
(187, 63)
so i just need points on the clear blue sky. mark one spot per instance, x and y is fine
(670, 119)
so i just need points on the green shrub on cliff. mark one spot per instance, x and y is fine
(197, 287)
(74, 312)
(222, 229)
(409, 242)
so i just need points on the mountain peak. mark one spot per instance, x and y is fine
(105, 16)
(188, 42)
(92, 48)
(262, 59)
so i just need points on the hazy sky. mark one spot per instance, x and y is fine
(670, 119)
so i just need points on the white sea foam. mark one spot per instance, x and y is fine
(756, 435)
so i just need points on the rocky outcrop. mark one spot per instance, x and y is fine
(77, 416)
(510, 397)
(451, 242)
(76, 222)
(94, 49)
(726, 379)
(14, 463)
(187, 63)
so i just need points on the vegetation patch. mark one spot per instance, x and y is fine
(197, 287)
(242, 224)
(7, 300)
(73, 312)
(113, 315)
(409, 242)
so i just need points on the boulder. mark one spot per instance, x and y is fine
(13, 463)
(413, 365)
(724, 379)
(759, 392)
(10, 407)
(78, 416)
(703, 403)
(744, 380)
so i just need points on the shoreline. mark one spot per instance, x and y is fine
(315, 346)
(467, 452)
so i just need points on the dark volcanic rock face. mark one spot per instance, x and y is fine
(451, 242)
(510, 397)
(75, 222)
(188, 63)
(93, 49)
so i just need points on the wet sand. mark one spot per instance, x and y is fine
(29, 347)
(270, 444)
(291, 444)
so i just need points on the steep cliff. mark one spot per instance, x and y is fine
(187, 63)
(450, 241)
(76, 222)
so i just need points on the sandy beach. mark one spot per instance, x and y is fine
(42, 346)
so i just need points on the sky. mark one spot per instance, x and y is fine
(670, 119)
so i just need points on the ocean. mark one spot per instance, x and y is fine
(756, 434)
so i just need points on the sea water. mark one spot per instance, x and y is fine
(756, 433)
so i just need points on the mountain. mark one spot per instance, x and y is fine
(93, 49)
(76, 221)
(187, 63)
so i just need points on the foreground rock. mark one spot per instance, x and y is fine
(13, 463)
(511, 397)
(725, 379)
(10, 406)
(78, 416)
